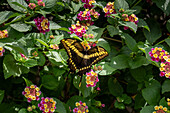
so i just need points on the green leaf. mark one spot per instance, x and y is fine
(131, 25)
(57, 39)
(106, 69)
(23, 110)
(121, 4)
(147, 109)
(16, 7)
(138, 74)
(50, 3)
(10, 67)
(60, 108)
(17, 4)
(76, 6)
(64, 29)
(114, 87)
(119, 105)
(5, 15)
(99, 32)
(28, 82)
(21, 27)
(155, 31)
(120, 62)
(41, 61)
(112, 30)
(7, 108)
(152, 93)
(94, 110)
(131, 43)
(143, 24)
(138, 61)
(50, 82)
(30, 63)
(164, 5)
(167, 41)
(165, 86)
(16, 48)
(85, 91)
(168, 25)
(1, 95)
(163, 102)
(125, 99)
(42, 42)
(139, 101)
(54, 26)
(103, 43)
(58, 71)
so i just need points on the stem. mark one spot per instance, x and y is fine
(136, 3)
(14, 21)
(160, 42)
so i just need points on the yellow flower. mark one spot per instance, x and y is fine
(32, 86)
(156, 107)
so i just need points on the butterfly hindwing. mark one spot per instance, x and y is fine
(80, 59)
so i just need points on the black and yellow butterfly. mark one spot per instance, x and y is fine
(80, 59)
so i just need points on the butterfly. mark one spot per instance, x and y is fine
(81, 59)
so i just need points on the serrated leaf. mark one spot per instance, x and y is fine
(54, 26)
(5, 15)
(121, 4)
(21, 27)
(60, 108)
(112, 30)
(103, 43)
(131, 25)
(16, 7)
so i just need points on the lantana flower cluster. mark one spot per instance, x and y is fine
(3, 34)
(109, 9)
(42, 24)
(33, 5)
(32, 93)
(78, 29)
(81, 107)
(88, 3)
(91, 79)
(86, 15)
(2, 50)
(131, 18)
(160, 109)
(54, 46)
(157, 54)
(47, 105)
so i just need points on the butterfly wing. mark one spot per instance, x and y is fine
(82, 60)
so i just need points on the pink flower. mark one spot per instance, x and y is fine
(31, 5)
(3, 34)
(41, 3)
(78, 29)
(98, 89)
(84, 15)
(157, 54)
(131, 18)
(2, 50)
(80, 107)
(91, 79)
(109, 9)
(88, 3)
(47, 105)
(23, 56)
(165, 69)
(42, 24)
(32, 93)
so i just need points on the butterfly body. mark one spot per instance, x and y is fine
(81, 59)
